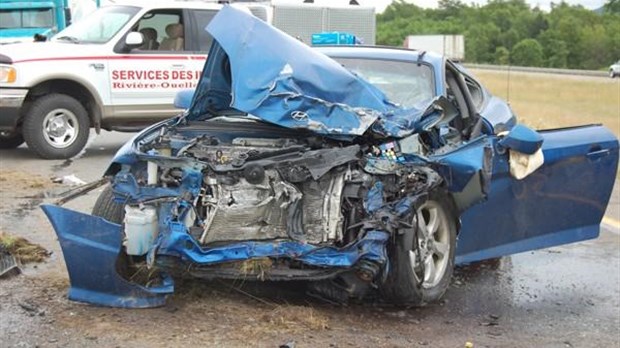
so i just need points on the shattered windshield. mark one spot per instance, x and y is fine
(404, 83)
(99, 27)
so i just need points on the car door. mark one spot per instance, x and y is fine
(144, 80)
(561, 202)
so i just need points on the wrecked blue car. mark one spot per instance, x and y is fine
(368, 172)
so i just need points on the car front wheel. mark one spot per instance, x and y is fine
(612, 74)
(422, 261)
(56, 127)
(107, 208)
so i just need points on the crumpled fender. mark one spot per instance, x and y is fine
(91, 246)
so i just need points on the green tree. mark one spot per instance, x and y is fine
(612, 6)
(502, 56)
(527, 52)
(569, 36)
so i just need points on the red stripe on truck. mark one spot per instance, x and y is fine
(118, 57)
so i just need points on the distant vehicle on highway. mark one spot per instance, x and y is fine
(614, 69)
(449, 46)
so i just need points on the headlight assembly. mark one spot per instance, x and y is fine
(8, 74)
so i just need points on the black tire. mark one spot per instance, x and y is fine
(403, 286)
(10, 140)
(107, 208)
(611, 73)
(60, 140)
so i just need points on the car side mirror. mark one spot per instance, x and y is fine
(183, 99)
(134, 40)
(522, 139)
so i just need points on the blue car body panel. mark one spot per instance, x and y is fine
(91, 246)
(371, 247)
(291, 84)
(562, 202)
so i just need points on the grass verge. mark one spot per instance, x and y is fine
(552, 101)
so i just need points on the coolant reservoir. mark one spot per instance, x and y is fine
(140, 229)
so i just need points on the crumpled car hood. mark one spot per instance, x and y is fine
(257, 69)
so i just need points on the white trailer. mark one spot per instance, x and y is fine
(305, 19)
(451, 46)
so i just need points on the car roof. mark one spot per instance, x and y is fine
(156, 4)
(381, 52)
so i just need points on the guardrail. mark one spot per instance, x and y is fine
(536, 70)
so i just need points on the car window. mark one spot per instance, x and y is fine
(404, 83)
(31, 18)
(202, 19)
(475, 91)
(162, 30)
(100, 26)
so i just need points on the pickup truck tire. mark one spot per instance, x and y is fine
(10, 140)
(56, 126)
(107, 208)
(415, 283)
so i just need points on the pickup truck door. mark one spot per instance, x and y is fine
(144, 81)
(561, 202)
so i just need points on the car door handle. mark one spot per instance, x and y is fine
(597, 153)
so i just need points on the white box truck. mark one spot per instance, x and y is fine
(451, 46)
(303, 20)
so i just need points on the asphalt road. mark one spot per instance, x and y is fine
(565, 296)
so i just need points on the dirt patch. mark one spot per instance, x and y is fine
(23, 250)
(10, 180)
(289, 318)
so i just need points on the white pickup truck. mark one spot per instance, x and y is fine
(118, 69)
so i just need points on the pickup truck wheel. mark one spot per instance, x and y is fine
(10, 140)
(107, 208)
(421, 268)
(56, 127)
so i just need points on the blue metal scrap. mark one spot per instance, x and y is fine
(290, 84)
(91, 246)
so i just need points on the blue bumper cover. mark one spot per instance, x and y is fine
(91, 246)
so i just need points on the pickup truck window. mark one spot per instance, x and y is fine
(99, 27)
(162, 30)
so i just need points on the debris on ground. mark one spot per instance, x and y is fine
(23, 250)
(71, 180)
(31, 309)
(11, 180)
(8, 264)
(289, 318)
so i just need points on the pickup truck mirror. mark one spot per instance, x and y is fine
(134, 40)
(522, 139)
(183, 99)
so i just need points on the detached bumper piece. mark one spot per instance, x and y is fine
(91, 246)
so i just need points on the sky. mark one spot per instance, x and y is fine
(380, 5)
